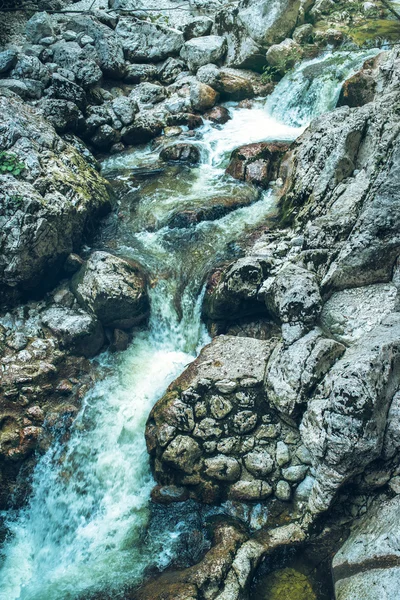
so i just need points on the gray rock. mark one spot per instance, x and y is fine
(367, 565)
(144, 41)
(197, 27)
(79, 331)
(345, 422)
(282, 454)
(8, 60)
(113, 289)
(293, 372)
(202, 51)
(148, 93)
(284, 56)
(259, 463)
(148, 124)
(283, 490)
(183, 152)
(295, 473)
(30, 67)
(351, 313)
(222, 468)
(104, 137)
(64, 116)
(38, 27)
(125, 108)
(169, 71)
(139, 73)
(182, 453)
(245, 491)
(63, 89)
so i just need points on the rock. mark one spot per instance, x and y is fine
(197, 27)
(170, 70)
(38, 27)
(293, 373)
(295, 474)
(204, 50)
(147, 42)
(30, 67)
(213, 208)
(148, 93)
(293, 297)
(202, 96)
(222, 468)
(125, 109)
(367, 565)
(8, 60)
(210, 75)
(303, 34)
(259, 463)
(182, 152)
(73, 263)
(354, 399)
(234, 294)
(109, 53)
(63, 89)
(245, 491)
(44, 226)
(27, 90)
(283, 490)
(236, 84)
(168, 493)
(140, 73)
(182, 453)
(63, 115)
(257, 163)
(349, 314)
(284, 56)
(78, 331)
(147, 125)
(104, 137)
(88, 73)
(219, 115)
(358, 90)
(282, 454)
(113, 289)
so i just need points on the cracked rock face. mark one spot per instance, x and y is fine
(214, 434)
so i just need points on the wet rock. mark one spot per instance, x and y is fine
(182, 454)
(148, 42)
(204, 50)
(104, 137)
(120, 340)
(245, 491)
(367, 565)
(234, 293)
(147, 125)
(219, 115)
(213, 208)
(113, 289)
(257, 163)
(284, 56)
(236, 84)
(202, 96)
(182, 152)
(168, 493)
(8, 60)
(357, 90)
(79, 331)
(303, 34)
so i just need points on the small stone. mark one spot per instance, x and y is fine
(207, 428)
(165, 494)
(259, 463)
(209, 447)
(200, 410)
(244, 421)
(220, 407)
(223, 468)
(282, 454)
(294, 474)
(304, 455)
(86, 39)
(225, 386)
(267, 432)
(69, 36)
(283, 491)
(250, 490)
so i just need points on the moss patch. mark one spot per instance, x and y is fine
(373, 30)
(288, 584)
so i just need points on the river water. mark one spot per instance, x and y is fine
(84, 529)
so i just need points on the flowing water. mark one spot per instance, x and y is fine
(84, 529)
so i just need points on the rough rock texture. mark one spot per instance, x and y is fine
(368, 564)
(257, 163)
(203, 51)
(214, 434)
(47, 210)
(113, 289)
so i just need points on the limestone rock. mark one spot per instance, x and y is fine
(113, 289)
(148, 42)
(204, 50)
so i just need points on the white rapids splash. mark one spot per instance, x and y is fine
(84, 526)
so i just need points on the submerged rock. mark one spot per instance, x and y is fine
(257, 163)
(113, 289)
(182, 152)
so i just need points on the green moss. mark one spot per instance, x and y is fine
(288, 584)
(372, 31)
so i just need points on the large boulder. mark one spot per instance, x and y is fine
(203, 51)
(213, 433)
(113, 289)
(39, 26)
(77, 330)
(148, 42)
(47, 209)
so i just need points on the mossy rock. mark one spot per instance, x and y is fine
(373, 30)
(288, 584)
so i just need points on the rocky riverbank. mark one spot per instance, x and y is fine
(294, 403)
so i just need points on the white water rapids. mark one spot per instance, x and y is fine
(84, 528)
